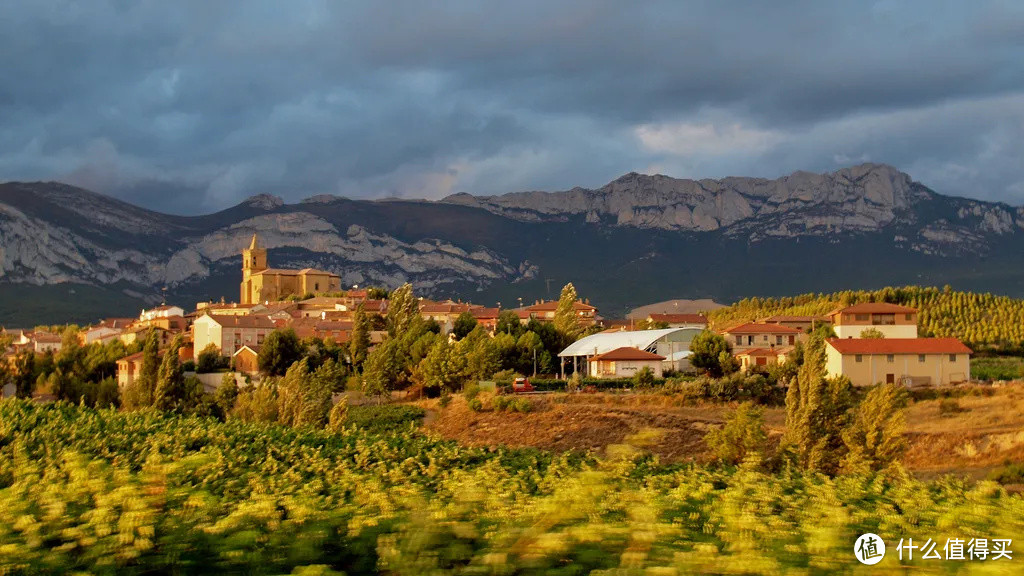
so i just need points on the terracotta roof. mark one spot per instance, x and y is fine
(132, 357)
(231, 321)
(246, 347)
(752, 328)
(626, 353)
(485, 313)
(116, 322)
(46, 337)
(874, 308)
(679, 318)
(549, 305)
(446, 308)
(899, 346)
(284, 272)
(785, 318)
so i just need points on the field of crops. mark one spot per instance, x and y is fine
(101, 491)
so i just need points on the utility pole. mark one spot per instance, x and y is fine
(534, 362)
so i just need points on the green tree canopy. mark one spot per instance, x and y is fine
(279, 351)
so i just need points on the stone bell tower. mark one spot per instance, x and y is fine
(254, 259)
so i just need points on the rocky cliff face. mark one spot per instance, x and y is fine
(637, 239)
(865, 198)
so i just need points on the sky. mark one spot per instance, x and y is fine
(191, 106)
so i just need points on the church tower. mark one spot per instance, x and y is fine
(254, 259)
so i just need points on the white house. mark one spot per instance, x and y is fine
(625, 362)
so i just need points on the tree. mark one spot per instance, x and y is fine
(381, 370)
(508, 323)
(303, 399)
(566, 320)
(169, 391)
(359, 345)
(257, 403)
(226, 394)
(444, 368)
(23, 373)
(874, 439)
(338, 416)
(279, 351)
(464, 324)
(743, 436)
(709, 350)
(644, 378)
(817, 411)
(209, 359)
(140, 393)
(403, 310)
(480, 354)
(376, 293)
(873, 333)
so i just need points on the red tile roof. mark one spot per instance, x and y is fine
(679, 318)
(785, 318)
(485, 313)
(232, 321)
(626, 353)
(752, 328)
(547, 306)
(899, 346)
(874, 308)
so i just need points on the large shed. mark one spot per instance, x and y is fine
(667, 342)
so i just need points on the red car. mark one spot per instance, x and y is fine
(521, 385)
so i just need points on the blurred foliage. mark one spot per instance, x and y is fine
(103, 492)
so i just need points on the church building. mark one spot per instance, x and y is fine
(261, 284)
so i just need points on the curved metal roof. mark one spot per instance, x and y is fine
(606, 342)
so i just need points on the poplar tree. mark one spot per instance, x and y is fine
(359, 346)
(170, 381)
(566, 320)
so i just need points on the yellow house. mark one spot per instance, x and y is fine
(892, 320)
(752, 357)
(262, 284)
(753, 335)
(869, 361)
(624, 363)
(230, 333)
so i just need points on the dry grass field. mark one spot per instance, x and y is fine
(969, 435)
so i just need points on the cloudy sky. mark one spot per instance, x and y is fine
(189, 106)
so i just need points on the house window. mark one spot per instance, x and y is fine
(952, 357)
(858, 358)
(765, 337)
(890, 358)
(861, 317)
(920, 358)
(909, 317)
(316, 286)
(778, 340)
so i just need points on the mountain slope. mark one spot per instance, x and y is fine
(636, 240)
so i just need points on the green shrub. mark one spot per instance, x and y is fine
(743, 436)
(500, 403)
(644, 378)
(444, 400)
(476, 405)
(384, 416)
(522, 405)
(950, 406)
(1011, 473)
(470, 391)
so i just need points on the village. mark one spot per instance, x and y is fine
(869, 343)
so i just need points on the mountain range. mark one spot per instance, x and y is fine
(69, 254)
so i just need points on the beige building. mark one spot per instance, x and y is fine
(892, 320)
(128, 369)
(752, 335)
(868, 361)
(230, 333)
(545, 312)
(802, 323)
(752, 357)
(625, 362)
(263, 284)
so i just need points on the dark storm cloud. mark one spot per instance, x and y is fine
(192, 106)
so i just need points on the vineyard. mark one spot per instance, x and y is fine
(982, 321)
(104, 492)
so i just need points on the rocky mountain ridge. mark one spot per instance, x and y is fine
(636, 240)
(864, 198)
